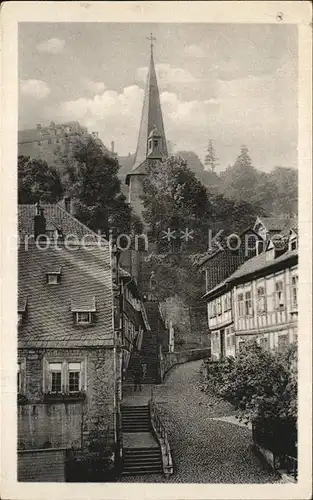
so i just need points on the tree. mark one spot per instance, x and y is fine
(240, 182)
(90, 176)
(37, 181)
(284, 182)
(210, 160)
(173, 198)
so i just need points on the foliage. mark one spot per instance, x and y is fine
(208, 178)
(89, 175)
(276, 192)
(37, 181)
(261, 385)
(210, 160)
(175, 199)
(174, 274)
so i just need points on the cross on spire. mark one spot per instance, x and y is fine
(152, 39)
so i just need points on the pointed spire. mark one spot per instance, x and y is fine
(151, 116)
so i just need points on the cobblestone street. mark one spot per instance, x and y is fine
(204, 449)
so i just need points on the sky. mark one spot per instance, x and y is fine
(230, 83)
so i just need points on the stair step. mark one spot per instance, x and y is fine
(131, 451)
(141, 468)
(136, 429)
(142, 456)
(144, 463)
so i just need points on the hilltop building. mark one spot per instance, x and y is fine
(42, 142)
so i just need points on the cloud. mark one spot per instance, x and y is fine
(34, 88)
(114, 115)
(166, 74)
(237, 112)
(52, 46)
(194, 51)
(95, 87)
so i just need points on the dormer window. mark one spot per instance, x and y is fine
(83, 310)
(21, 310)
(155, 142)
(83, 318)
(294, 244)
(52, 231)
(54, 276)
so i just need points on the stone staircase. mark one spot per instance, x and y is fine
(135, 419)
(144, 456)
(138, 461)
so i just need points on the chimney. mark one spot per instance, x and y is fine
(112, 147)
(39, 222)
(68, 204)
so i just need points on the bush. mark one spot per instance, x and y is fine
(261, 385)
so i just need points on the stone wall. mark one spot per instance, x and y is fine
(59, 424)
(171, 359)
(96, 412)
(41, 465)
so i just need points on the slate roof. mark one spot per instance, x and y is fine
(275, 223)
(86, 276)
(259, 263)
(56, 214)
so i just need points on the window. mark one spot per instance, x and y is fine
(219, 306)
(227, 302)
(83, 318)
(294, 292)
(63, 377)
(261, 300)
(21, 310)
(19, 378)
(248, 303)
(51, 233)
(55, 377)
(150, 143)
(279, 295)
(240, 305)
(282, 343)
(74, 371)
(53, 279)
(155, 143)
(293, 244)
(264, 343)
(54, 276)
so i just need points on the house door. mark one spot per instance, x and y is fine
(222, 343)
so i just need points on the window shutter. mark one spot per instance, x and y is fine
(46, 376)
(64, 377)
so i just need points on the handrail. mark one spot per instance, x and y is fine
(161, 435)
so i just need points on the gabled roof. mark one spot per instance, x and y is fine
(221, 246)
(57, 215)
(86, 279)
(151, 117)
(259, 263)
(274, 223)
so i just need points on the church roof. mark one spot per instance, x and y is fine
(151, 117)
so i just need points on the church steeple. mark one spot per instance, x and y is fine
(151, 117)
(151, 145)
